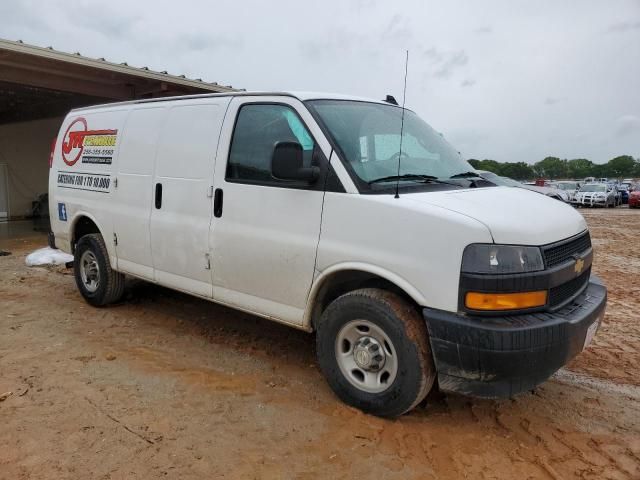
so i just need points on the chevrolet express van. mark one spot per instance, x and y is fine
(304, 209)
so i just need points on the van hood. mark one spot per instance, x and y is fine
(512, 215)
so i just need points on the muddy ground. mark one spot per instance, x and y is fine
(168, 386)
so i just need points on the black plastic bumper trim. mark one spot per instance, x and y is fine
(501, 356)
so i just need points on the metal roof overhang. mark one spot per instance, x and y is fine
(38, 82)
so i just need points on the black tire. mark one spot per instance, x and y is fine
(408, 334)
(110, 284)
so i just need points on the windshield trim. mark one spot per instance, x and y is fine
(364, 187)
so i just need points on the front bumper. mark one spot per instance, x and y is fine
(590, 202)
(501, 356)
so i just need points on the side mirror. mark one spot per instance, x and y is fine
(287, 163)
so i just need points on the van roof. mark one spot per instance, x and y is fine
(302, 96)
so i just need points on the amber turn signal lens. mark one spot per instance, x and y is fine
(505, 301)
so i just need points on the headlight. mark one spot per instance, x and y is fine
(487, 258)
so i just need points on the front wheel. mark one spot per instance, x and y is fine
(98, 283)
(373, 348)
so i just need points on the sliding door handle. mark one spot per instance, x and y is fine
(217, 203)
(158, 195)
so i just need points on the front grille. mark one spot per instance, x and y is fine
(562, 293)
(560, 252)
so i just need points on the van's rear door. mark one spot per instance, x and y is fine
(182, 190)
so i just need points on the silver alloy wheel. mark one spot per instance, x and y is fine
(366, 356)
(89, 271)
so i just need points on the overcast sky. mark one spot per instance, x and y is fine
(508, 80)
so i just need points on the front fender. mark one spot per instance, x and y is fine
(378, 271)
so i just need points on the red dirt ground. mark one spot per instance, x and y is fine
(165, 385)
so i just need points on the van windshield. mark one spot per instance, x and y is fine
(368, 137)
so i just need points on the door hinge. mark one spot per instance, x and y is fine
(115, 238)
(115, 183)
(207, 262)
(210, 191)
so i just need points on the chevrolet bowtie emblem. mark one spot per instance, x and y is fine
(578, 266)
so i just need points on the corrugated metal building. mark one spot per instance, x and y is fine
(38, 86)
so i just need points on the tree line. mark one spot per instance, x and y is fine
(624, 166)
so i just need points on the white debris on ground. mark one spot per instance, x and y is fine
(48, 256)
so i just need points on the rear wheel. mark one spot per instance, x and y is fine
(98, 283)
(373, 348)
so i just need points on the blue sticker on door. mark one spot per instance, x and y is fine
(62, 212)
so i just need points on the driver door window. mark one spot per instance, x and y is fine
(258, 128)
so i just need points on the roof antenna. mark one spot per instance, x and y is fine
(404, 96)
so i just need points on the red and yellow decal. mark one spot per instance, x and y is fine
(78, 136)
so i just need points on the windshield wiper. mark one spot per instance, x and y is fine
(466, 175)
(406, 176)
(412, 176)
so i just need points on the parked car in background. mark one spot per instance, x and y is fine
(554, 193)
(589, 180)
(595, 195)
(616, 192)
(567, 186)
(623, 189)
(603, 180)
(634, 197)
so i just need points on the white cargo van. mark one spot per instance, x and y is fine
(303, 208)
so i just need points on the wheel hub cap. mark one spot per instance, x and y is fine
(366, 356)
(89, 271)
(369, 354)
